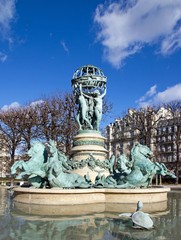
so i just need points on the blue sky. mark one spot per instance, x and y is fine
(137, 44)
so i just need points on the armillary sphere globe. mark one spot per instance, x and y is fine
(91, 79)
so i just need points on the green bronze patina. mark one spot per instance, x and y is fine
(34, 168)
(47, 166)
(58, 171)
(89, 88)
(138, 171)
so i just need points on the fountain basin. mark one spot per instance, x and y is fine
(89, 196)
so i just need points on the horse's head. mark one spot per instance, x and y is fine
(36, 148)
(142, 149)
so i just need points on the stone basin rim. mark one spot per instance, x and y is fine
(92, 190)
(89, 196)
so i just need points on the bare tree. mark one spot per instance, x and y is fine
(57, 121)
(9, 121)
(50, 116)
(69, 126)
(106, 108)
(27, 126)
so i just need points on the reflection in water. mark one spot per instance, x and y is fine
(100, 226)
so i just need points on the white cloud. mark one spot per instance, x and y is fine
(35, 103)
(3, 57)
(146, 99)
(7, 15)
(171, 43)
(13, 105)
(125, 30)
(64, 46)
(172, 93)
(148, 94)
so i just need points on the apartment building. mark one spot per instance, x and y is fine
(164, 136)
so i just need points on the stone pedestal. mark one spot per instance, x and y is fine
(87, 143)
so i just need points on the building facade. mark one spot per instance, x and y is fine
(164, 137)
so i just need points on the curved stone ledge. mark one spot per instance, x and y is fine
(89, 196)
(100, 209)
